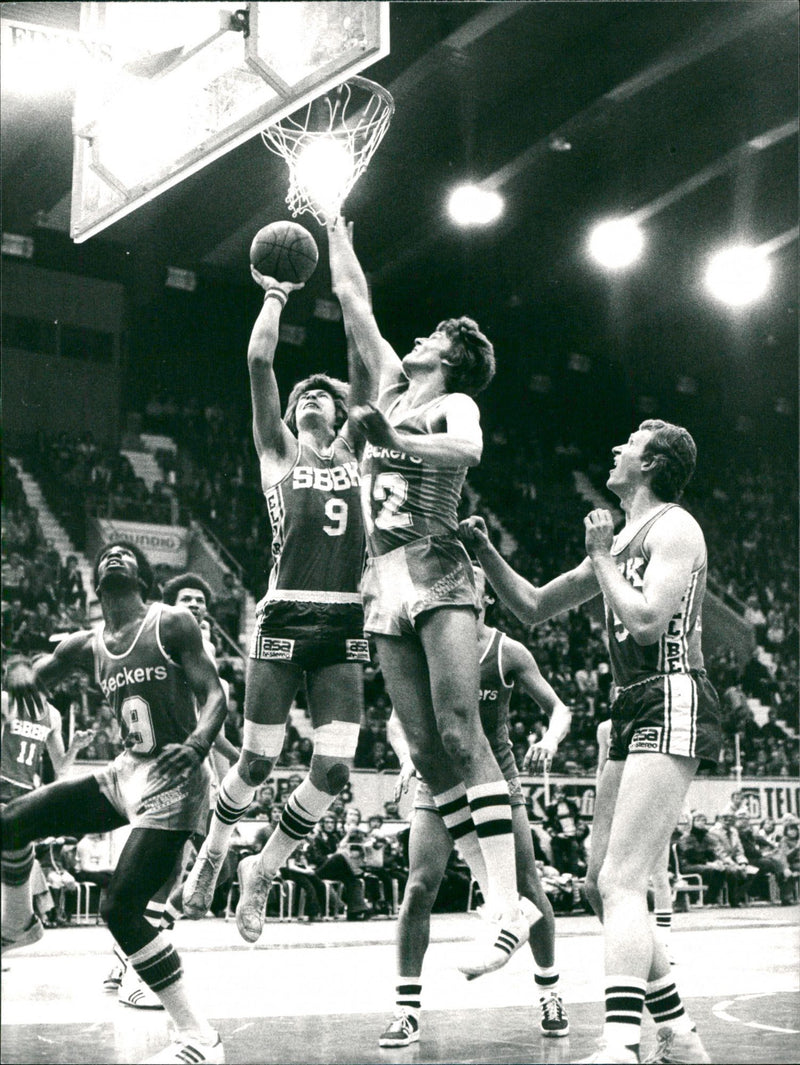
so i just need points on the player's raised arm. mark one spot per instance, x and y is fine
(380, 360)
(27, 682)
(275, 445)
(399, 744)
(530, 604)
(676, 546)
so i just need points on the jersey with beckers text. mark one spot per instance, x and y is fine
(317, 531)
(147, 690)
(495, 697)
(403, 498)
(678, 650)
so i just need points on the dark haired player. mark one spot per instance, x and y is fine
(165, 693)
(664, 719)
(420, 601)
(191, 591)
(309, 624)
(505, 664)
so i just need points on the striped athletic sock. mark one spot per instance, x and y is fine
(409, 996)
(663, 922)
(453, 809)
(154, 913)
(490, 807)
(546, 980)
(665, 1007)
(624, 1006)
(233, 801)
(302, 812)
(157, 964)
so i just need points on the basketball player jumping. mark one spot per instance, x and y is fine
(310, 622)
(504, 665)
(664, 719)
(166, 695)
(418, 589)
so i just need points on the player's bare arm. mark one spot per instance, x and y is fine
(63, 760)
(530, 604)
(183, 641)
(399, 744)
(28, 683)
(461, 445)
(676, 547)
(275, 445)
(520, 666)
(380, 360)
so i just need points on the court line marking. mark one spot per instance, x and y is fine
(720, 1010)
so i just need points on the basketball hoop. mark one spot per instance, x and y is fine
(328, 147)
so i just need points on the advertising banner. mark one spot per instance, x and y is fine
(163, 544)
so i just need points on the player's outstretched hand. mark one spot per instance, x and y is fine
(372, 423)
(266, 282)
(540, 753)
(473, 532)
(599, 531)
(24, 690)
(82, 738)
(407, 771)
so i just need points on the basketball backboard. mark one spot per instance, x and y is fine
(167, 88)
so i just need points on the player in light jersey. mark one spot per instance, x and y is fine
(187, 590)
(165, 693)
(664, 720)
(420, 602)
(24, 741)
(504, 665)
(310, 622)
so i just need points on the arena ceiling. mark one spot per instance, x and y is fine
(686, 112)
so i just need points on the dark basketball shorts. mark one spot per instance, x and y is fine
(674, 713)
(312, 635)
(426, 574)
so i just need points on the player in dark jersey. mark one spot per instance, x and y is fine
(420, 602)
(165, 693)
(664, 719)
(504, 665)
(309, 624)
(24, 741)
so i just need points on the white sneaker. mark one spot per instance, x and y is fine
(133, 991)
(32, 933)
(508, 936)
(403, 1029)
(253, 893)
(678, 1047)
(114, 979)
(190, 1052)
(198, 888)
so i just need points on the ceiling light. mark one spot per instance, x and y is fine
(470, 205)
(738, 276)
(616, 243)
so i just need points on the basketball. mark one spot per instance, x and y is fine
(285, 251)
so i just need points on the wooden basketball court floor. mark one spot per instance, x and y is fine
(321, 994)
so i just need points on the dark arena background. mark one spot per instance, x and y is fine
(626, 235)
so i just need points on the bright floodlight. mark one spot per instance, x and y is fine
(738, 276)
(472, 206)
(616, 243)
(323, 170)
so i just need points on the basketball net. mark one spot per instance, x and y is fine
(329, 143)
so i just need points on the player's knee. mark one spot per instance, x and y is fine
(12, 823)
(420, 895)
(254, 768)
(328, 775)
(458, 749)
